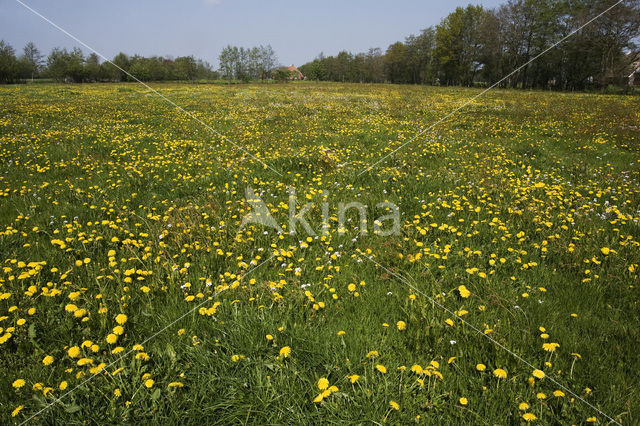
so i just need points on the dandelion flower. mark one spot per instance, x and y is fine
(481, 367)
(149, 383)
(529, 417)
(323, 384)
(353, 378)
(285, 351)
(394, 405)
(47, 360)
(401, 325)
(18, 383)
(464, 293)
(538, 374)
(500, 373)
(381, 368)
(17, 410)
(121, 319)
(463, 401)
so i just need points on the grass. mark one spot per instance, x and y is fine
(112, 201)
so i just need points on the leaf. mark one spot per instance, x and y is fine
(72, 408)
(32, 331)
(171, 352)
(155, 395)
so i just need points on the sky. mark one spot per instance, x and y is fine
(297, 30)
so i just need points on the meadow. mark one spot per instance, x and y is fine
(129, 291)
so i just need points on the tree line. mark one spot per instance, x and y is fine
(73, 66)
(477, 46)
(255, 63)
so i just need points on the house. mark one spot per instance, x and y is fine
(297, 75)
(634, 77)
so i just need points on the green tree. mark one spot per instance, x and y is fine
(457, 45)
(8, 63)
(396, 63)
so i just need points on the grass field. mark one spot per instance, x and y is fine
(120, 214)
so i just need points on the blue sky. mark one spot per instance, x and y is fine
(297, 31)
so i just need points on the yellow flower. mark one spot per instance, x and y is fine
(541, 395)
(47, 360)
(149, 383)
(523, 406)
(416, 368)
(605, 251)
(550, 347)
(372, 354)
(394, 405)
(269, 337)
(401, 325)
(381, 368)
(500, 373)
(538, 374)
(464, 401)
(323, 384)
(351, 287)
(63, 385)
(341, 333)
(318, 398)
(112, 338)
(529, 417)
(353, 378)
(285, 351)
(18, 383)
(464, 293)
(121, 319)
(592, 420)
(481, 367)
(558, 393)
(17, 410)
(175, 385)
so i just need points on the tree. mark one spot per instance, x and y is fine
(32, 60)
(226, 63)
(421, 60)
(185, 68)
(92, 66)
(396, 63)
(268, 61)
(457, 45)
(8, 63)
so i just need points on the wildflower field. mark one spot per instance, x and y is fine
(130, 292)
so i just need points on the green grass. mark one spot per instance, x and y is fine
(514, 197)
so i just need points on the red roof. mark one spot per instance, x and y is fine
(293, 68)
